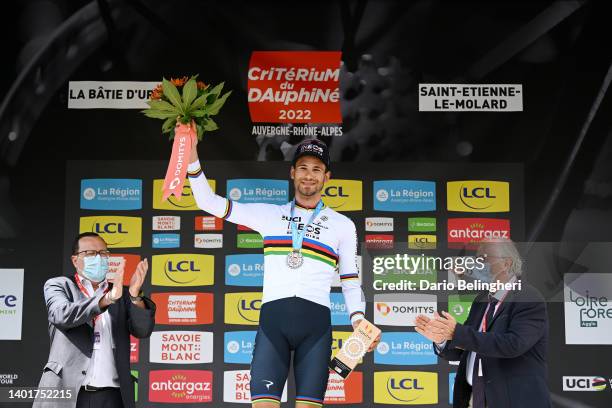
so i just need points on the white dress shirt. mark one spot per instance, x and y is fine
(102, 371)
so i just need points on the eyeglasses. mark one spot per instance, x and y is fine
(91, 252)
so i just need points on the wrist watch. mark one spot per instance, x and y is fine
(136, 298)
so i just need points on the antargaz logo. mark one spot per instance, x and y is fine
(478, 196)
(343, 195)
(468, 232)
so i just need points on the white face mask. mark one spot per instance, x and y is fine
(95, 268)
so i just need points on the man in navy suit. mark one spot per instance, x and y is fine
(502, 346)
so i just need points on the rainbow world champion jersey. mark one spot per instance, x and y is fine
(329, 247)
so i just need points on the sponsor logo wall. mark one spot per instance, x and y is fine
(206, 277)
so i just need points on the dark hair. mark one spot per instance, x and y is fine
(75, 244)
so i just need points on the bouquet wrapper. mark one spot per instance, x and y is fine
(177, 168)
(354, 348)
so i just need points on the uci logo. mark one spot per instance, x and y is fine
(334, 191)
(109, 228)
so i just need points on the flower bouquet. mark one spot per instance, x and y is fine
(186, 106)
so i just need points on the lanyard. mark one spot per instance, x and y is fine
(297, 237)
(84, 290)
(483, 327)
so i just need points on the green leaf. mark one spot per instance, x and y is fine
(217, 89)
(168, 125)
(200, 132)
(211, 98)
(200, 101)
(210, 125)
(200, 113)
(171, 135)
(172, 94)
(218, 104)
(190, 90)
(162, 105)
(158, 114)
(185, 119)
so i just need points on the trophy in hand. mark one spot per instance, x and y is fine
(354, 348)
(186, 106)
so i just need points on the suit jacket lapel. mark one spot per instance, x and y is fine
(480, 304)
(500, 309)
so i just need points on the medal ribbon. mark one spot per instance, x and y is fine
(84, 290)
(297, 237)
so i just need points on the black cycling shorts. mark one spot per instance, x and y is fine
(286, 325)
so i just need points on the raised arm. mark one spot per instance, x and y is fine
(255, 216)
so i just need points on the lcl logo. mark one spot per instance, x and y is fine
(334, 191)
(254, 304)
(477, 192)
(182, 266)
(109, 228)
(405, 384)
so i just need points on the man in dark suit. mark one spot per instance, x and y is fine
(502, 346)
(91, 316)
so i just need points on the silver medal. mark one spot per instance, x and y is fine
(295, 259)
